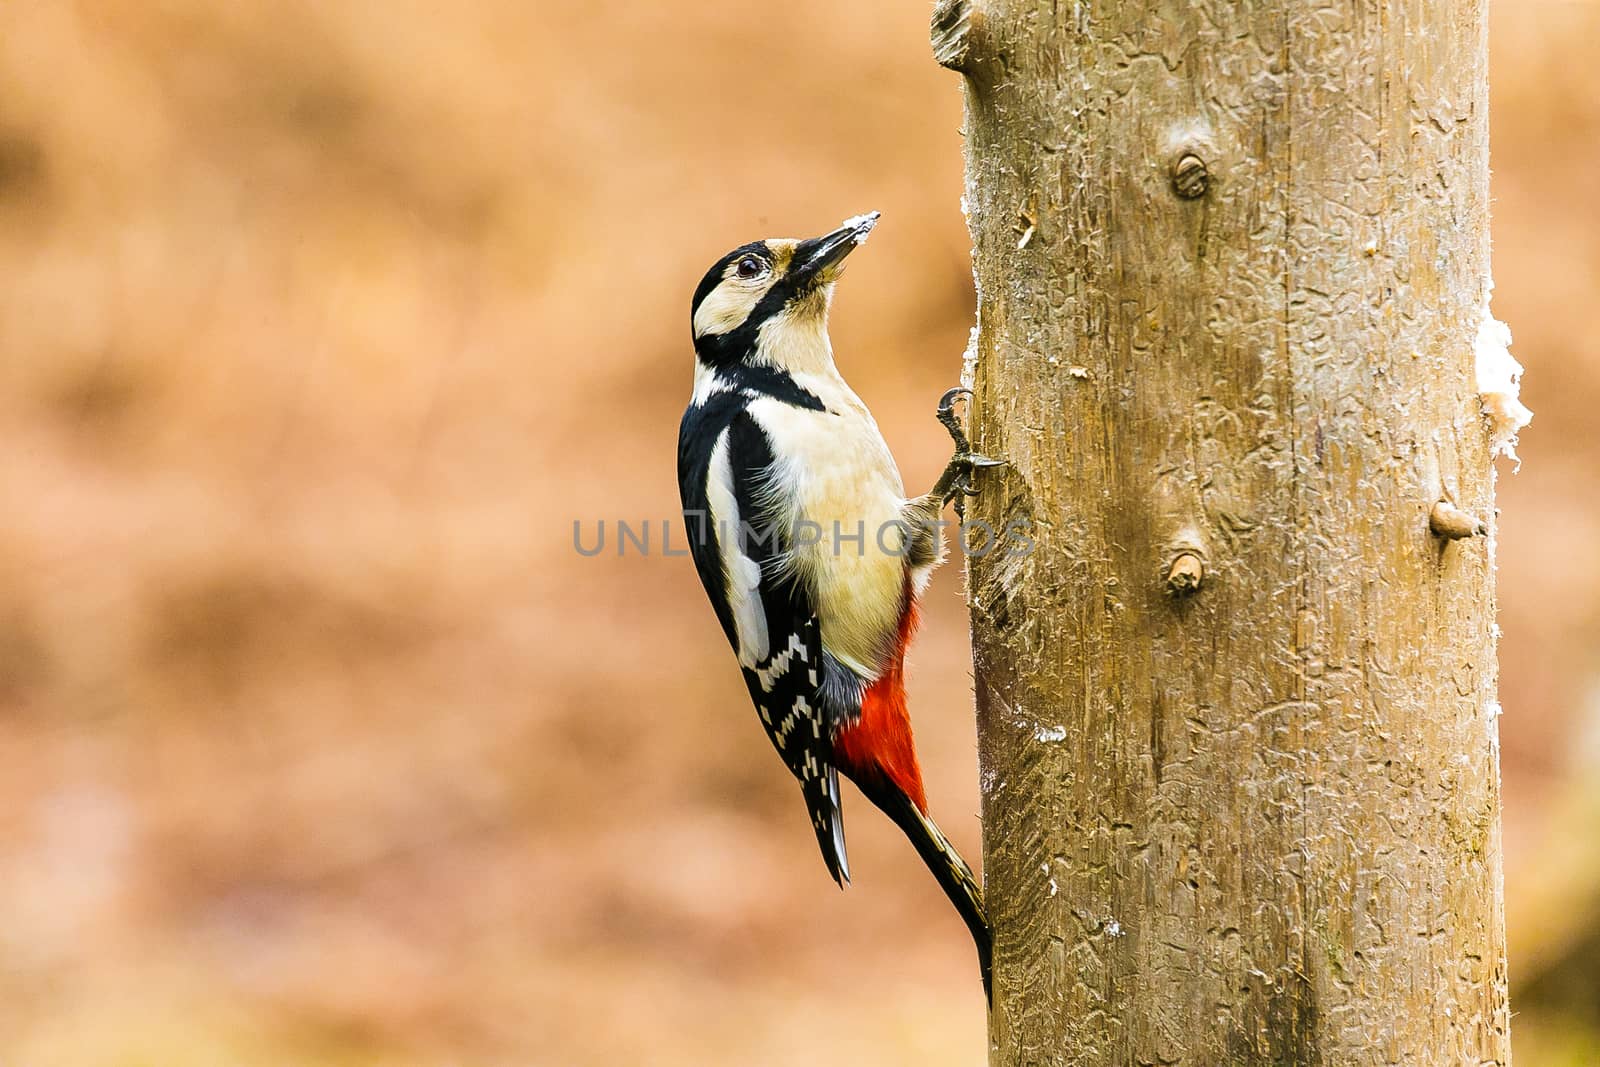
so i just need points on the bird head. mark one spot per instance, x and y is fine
(767, 302)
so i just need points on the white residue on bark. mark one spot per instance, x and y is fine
(1499, 385)
(969, 358)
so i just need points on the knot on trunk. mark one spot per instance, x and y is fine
(957, 33)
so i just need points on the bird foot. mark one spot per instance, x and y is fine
(957, 480)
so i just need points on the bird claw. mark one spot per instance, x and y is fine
(965, 463)
(963, 466)
(948, 401)
(946, 414)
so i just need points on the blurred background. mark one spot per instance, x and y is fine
(319, 326)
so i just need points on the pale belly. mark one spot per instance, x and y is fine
(848, 541)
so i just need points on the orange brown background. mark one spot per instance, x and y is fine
(321, 323)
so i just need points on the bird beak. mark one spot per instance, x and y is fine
(820, 257)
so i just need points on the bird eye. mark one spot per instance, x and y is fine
(749, 267)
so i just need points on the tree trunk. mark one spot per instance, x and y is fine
(1237, 715)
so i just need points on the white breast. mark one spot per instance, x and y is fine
(837, 476)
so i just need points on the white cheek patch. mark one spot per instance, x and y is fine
(728, 305)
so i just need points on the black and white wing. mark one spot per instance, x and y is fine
(764, 609)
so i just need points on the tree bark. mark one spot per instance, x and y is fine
(1237, 715)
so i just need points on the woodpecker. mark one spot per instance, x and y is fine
(811, 553)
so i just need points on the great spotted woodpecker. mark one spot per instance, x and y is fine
(811, 553)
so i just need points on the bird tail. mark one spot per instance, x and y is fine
(949, 869)
(827, 819)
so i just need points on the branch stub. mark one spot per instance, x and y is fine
(1190, 178)
(1450, 522)
(1185, 574)
(956, 30)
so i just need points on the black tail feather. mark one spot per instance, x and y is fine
(827, 819)
(948, 868)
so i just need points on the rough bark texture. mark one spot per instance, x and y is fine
(1237, 708)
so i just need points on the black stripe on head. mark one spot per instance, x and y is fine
(718, 269)
(739, 344)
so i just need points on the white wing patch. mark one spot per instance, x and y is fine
(743, 573)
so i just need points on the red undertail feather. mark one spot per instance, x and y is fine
(879, 743)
